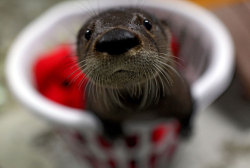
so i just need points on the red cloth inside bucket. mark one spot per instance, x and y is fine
(58, 77)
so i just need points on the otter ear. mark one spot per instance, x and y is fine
(166, 29)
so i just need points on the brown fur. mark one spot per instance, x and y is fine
(149, 84)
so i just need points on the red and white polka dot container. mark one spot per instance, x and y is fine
(148, 146)
(205, 47)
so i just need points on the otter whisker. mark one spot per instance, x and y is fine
(82, 81)
(170, 68)
(115, 97)
(172, 59)
(75, 78)
(91, 12)
(77, 67)
(161, 81)
(79, 71)
(155, 85)
(93, 87)
(164, 74)
(148, 91)
(169, 54)
(74, 65)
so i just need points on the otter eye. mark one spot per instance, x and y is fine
(147, 24)
(88, 34)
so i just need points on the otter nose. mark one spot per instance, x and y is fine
(117, 41)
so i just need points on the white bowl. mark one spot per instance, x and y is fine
(67, 17)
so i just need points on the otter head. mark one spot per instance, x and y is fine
(122, 47)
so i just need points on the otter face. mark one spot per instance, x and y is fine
(122, 47)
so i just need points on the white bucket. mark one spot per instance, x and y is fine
(210, 64)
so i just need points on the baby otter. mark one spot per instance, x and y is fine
(126, 56)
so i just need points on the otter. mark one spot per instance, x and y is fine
(132, 75)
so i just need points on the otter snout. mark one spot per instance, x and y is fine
(117, 41)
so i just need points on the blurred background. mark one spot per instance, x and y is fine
(222, 132)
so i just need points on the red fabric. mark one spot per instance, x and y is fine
(159, 133)
(175, 46)
(58, 77)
